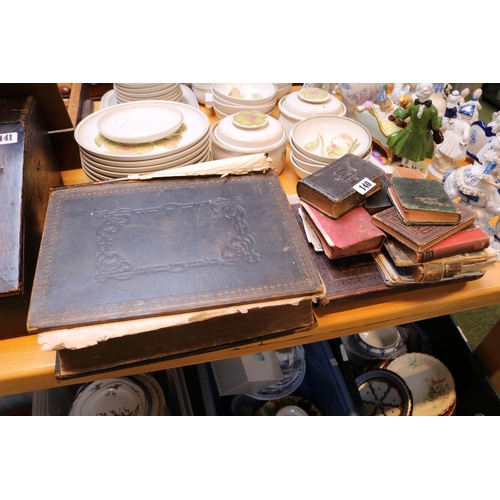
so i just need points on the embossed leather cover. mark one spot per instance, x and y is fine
(138, 249)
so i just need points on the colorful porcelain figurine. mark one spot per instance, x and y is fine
(415, 142)
(478, 187)
(454, 146)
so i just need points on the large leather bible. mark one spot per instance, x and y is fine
(123, 258)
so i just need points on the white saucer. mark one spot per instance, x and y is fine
(111, 397)
(137, 122)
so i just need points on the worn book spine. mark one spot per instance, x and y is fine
(469, 240)
(190, 339)
(453, 266)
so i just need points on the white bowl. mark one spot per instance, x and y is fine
(256, 93)
(276, 152)
(308, 167)
(229, 109)
(282, 89)
(328, 137)
(203, 93)
(249, 129)
(218, 113)
(301, 172)
(301, 104)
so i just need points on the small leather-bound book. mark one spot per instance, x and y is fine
(344, 184)
(176, 265)
(420, 237)
(422, 201)
(352, 234)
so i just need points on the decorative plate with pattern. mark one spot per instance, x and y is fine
(429, 380)
(384, 393)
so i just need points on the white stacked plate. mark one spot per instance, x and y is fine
(128, 92)
(140, 137)
(320, 140)
(140, 395)
(230, 98)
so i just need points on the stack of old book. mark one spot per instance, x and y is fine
(332, 208)
(430, 238)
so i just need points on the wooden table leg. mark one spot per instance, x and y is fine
(488, 353)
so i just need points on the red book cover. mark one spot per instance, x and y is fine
(352, 234)
(471, 239)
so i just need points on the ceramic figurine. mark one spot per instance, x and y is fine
(495, 122)
(473, 105)
(452, 102)
(399, 90)
(478, 187)
(415, 142)
(454, 146)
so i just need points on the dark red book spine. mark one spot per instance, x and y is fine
(469, 240)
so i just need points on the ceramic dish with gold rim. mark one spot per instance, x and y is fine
(430, 382)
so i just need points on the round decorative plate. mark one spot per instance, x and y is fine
(194, 128)
(136, 122)
(429, 380)
(283, 387)
(111, 397)
(384, 393)
(271, 408)
(155, 392)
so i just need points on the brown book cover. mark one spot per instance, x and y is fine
(122, 258)
(420, 237)
(352, 234)
(380, 200)
(344, 184)
(194, 338)
(422, 201)
(470, 239)
(439, 269)
(28, 171)
(414, 173)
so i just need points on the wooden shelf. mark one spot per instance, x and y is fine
(24, 367)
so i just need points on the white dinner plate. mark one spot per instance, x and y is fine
(136, 122)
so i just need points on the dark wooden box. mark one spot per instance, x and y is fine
(28, 170)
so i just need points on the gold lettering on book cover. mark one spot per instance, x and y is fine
(112, 264)
(427, 200)
(346, 174)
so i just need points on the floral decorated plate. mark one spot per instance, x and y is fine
(272, 407)
(329, 137)
(194, 128)
(429, 380)
(302, 104)
(249, 129)
(384, 393)
(112, 397)
(137, 122)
